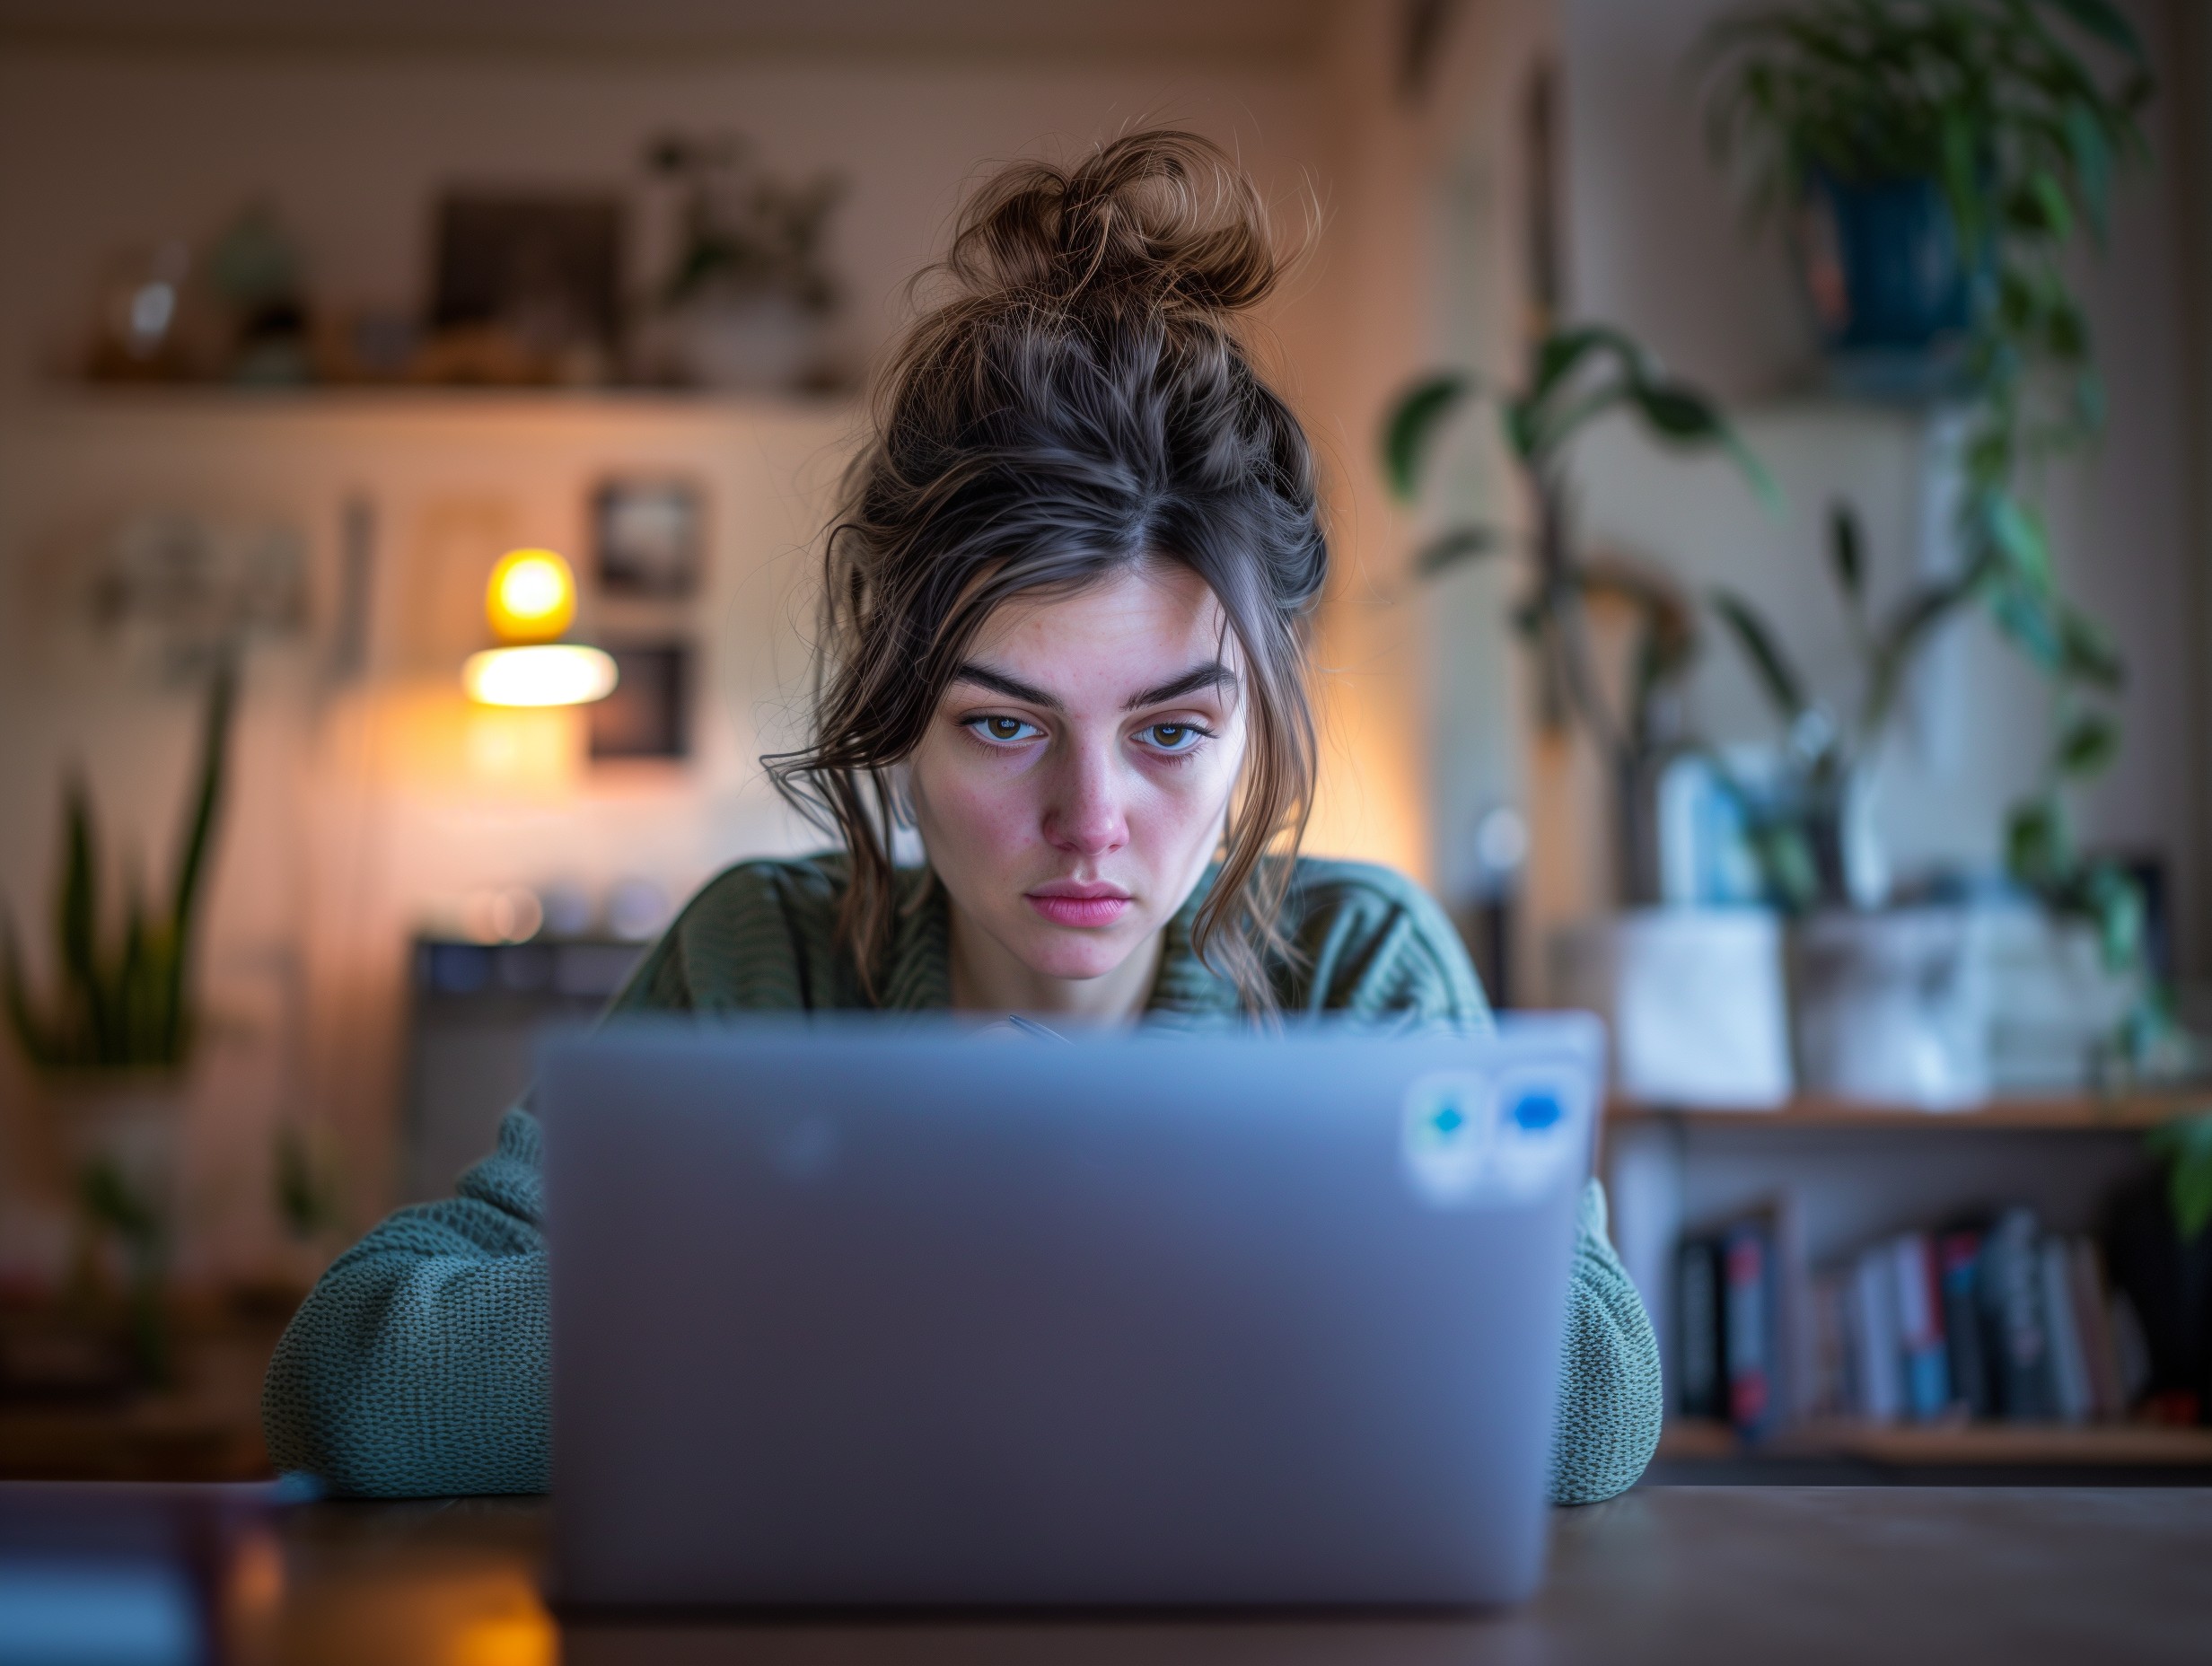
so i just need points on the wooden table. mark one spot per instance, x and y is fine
(1706, 1574)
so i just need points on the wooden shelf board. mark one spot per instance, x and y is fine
(2119, 1111)
(1905, 1444)
(223, 399)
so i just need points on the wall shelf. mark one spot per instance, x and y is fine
(2108, 1113)
(226, 399)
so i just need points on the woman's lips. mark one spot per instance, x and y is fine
(1063, 909)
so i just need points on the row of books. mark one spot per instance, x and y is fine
(2000, 1320)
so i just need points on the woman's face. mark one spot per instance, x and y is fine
(1074, 782)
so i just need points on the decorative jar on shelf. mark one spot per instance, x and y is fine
(1891, 1006)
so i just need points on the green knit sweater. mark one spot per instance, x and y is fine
(420, 1366)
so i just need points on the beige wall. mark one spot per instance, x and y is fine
(1656, 244)
(365, 809)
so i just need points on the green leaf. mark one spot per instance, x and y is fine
(305, 1199)
(1536, 439)
(2038, 850)
(1845, 557)
(2057, 211)
(1687, 416)
(2103, 20)
(78, 921)
(1915, 619)
(1961, 185)
(2115, 906)
(2093, 163)
(1413, 426)
(1777, 676)
(2087, 653)
(1462, 543)
(1680, 413)
(2090, 742)
(37, 1041)
(199, 829)
(109, 1200)
(2027, 621)
(2018, 531)
(1560, 353)
(2185, 1146)
(1784, 852)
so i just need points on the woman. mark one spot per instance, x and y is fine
(1065, 619)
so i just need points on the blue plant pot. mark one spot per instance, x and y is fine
(1891, 296)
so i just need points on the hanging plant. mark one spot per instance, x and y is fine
(2017, 114)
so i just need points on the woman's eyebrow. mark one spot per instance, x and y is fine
(1013, 687)
(1213, 674)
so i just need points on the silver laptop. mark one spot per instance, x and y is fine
(848, 1315)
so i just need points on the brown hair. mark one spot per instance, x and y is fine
(1076, 402)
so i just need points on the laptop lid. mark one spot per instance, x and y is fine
(849, 1314)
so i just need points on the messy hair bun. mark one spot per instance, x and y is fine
(1157, 221)
(1076, 400)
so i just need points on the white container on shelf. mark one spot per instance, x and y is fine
(1892, 1007)
(1695, 999)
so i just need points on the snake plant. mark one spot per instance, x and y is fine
(123, 997)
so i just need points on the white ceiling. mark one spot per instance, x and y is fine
(1239, 27)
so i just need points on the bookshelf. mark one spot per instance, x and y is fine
(1842, 1177)
(1928, 1445)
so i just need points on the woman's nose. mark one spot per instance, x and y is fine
(1086, 816)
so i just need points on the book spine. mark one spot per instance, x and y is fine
(1958, 1259)
(2013, 1306)
(2069, 1374)
(1747, 1328)
(1919, 1328)
(1829, 1392)
(1874, 1323)
(1698, 1341)
(2091, 1323)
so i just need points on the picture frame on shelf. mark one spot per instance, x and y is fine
(527, 287)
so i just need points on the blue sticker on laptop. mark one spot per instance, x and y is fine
(1466, 1135)
(1446, 1133)
(1538, 1130)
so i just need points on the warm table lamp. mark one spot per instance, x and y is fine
(531, 600)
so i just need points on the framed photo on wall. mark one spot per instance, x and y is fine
(648, 538)
(649, 714)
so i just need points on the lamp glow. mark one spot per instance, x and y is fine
(553, 673)
(531, 596)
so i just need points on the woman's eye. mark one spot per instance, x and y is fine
(1003, 730)
(1172, 737)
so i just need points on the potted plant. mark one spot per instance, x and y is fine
(1575, 376)
(2013, 116)
(1932, 157)
(1634, 968)
(110, 1039)
(1887, 1004)
(745, 299)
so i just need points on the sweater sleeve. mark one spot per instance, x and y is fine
(420, 1365)
(1609, 1398)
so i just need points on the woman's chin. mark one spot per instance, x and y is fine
(1075, 955)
